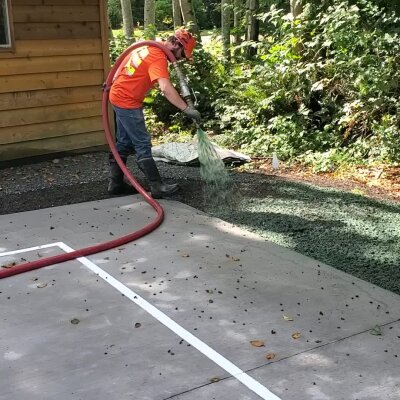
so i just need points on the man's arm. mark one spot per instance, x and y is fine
(171, 93)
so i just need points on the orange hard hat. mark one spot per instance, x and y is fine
(186, 39)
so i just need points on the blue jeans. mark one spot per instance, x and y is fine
(132, 134)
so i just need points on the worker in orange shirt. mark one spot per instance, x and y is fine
(140, 71)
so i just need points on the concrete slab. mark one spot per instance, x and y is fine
(368, 365)
(222, 285)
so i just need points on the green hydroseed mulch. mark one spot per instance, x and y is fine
(349, 232)
(218, 183)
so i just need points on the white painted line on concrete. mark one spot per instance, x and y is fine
(220, 360)
(44, 246)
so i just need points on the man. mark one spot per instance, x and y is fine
(139, 72)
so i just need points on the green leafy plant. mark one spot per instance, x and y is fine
(326, 84)
(117, 46)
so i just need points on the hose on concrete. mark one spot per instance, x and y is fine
(44, 262)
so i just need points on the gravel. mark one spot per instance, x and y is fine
(350, 232)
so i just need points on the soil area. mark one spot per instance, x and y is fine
(375, 182)
(351, 222)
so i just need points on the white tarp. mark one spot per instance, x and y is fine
(186, 154)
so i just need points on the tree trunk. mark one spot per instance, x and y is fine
(295, 8)
(149, 19)
(127, 20)
(252, 31)
(226, 28)
(189, 18)
(176, 12)
(110, 32)
(237, 21)
(237, 24)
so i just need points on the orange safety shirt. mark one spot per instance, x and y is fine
(137, 74)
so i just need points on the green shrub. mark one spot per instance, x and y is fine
(118, 46)
(330, 80)
(205, 78)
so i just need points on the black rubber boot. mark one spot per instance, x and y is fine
(158, 188)
(117, 185)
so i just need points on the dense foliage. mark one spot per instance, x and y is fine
(324, 88)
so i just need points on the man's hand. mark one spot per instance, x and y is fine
(192, 113)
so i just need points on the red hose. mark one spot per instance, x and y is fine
(44, 262)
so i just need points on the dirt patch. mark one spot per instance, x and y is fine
(379, 182)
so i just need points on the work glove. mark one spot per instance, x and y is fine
(193, 114)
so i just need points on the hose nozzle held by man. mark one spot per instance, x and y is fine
(138, 73)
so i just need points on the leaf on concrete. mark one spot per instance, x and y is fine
(10, 265)
(257, 343)
(270, 356)
(376, 331)
(296, 335)
(215, 379)
(287, 318)
(232, 258)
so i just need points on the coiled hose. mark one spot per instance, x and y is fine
(44, 262)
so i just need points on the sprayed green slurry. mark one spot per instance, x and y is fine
(349, 232)
(213, 172)
(212, 168)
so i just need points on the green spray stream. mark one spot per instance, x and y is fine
(218, 183)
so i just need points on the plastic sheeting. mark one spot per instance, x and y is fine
(187, 154)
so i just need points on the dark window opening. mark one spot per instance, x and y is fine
(5, 32)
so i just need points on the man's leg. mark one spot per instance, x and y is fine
(134, 125)
(159, 189)
(124, 147)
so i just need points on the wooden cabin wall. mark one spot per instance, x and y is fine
(50, 87)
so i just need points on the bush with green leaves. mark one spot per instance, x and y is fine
(205, 77)
(327, 84)
(114, 13)
(117, 46)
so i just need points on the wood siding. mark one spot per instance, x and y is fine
(50, 86)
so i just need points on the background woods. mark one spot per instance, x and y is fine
(313, 81)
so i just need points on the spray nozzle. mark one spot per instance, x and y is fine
(186, 93)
